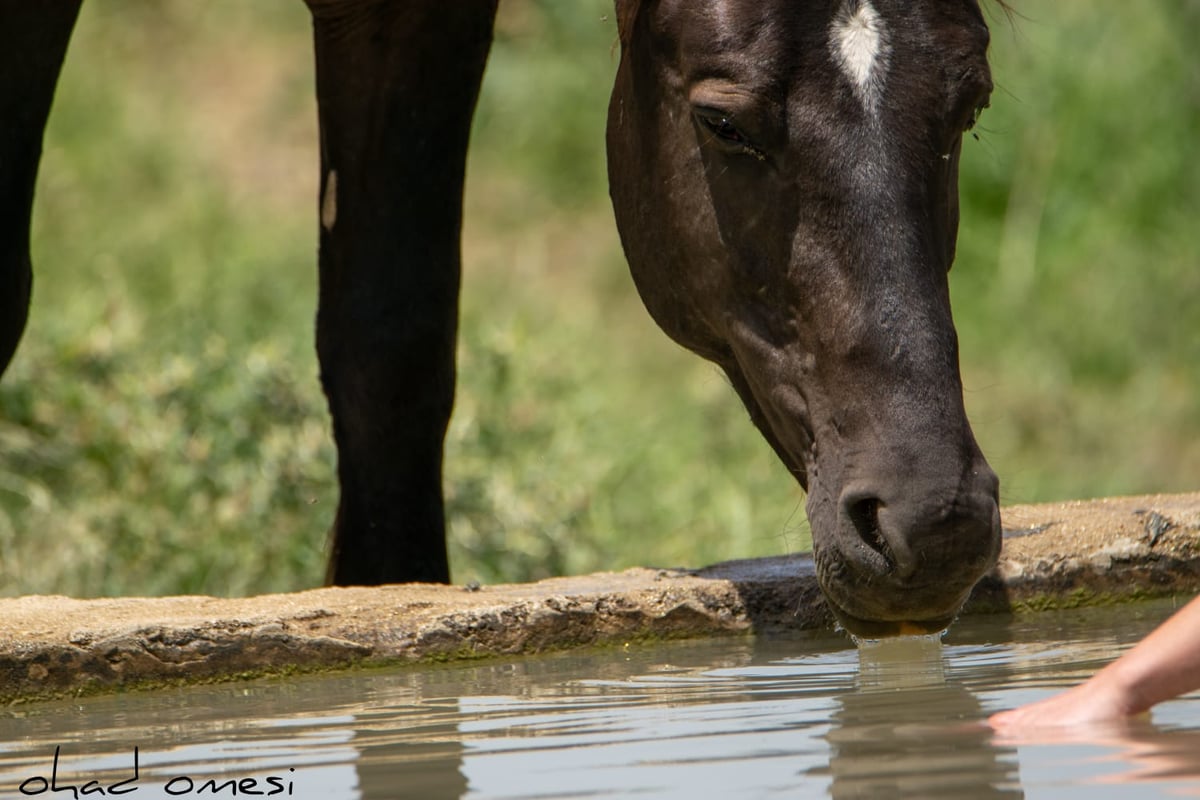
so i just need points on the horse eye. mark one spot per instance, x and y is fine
(722, 127)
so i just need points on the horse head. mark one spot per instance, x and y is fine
(785, 180)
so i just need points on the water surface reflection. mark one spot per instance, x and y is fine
(798, 716)
(911, 731)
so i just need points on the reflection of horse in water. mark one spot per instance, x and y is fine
(720, 715)
(895, 735)
(784, 177)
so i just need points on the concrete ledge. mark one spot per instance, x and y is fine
(1055, 555)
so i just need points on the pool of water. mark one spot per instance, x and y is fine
(794, 716)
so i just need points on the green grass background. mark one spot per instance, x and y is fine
(162, 429)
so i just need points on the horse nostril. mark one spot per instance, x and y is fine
(864, 515)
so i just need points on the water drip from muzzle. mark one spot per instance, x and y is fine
(900, 662)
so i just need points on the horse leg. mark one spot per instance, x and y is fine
(33, 41)
(396, 89)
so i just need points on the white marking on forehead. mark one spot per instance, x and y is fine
(860, 46)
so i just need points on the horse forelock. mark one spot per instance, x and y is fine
(626, 13)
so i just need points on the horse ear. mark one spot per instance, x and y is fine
(626, 13)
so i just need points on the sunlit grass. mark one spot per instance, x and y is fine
(1079, 269)
(162, 429)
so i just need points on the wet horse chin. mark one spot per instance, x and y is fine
(864, 629)
(864, 620)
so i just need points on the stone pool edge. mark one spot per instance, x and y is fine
(1056, 555)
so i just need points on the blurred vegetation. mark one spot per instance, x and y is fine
(162, 428)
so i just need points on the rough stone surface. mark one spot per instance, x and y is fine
(1055, 555)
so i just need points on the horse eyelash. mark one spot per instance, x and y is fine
(751, 150)
(975, 115)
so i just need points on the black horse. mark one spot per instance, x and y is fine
(784, 176)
